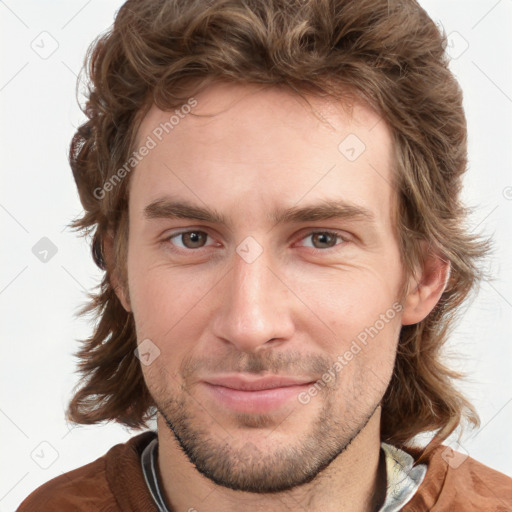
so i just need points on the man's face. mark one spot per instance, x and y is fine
(226, 304)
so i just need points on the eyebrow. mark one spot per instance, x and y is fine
(325, 210)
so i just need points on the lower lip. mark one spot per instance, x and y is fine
(260, 401)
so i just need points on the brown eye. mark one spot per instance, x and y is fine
(324, 240)
(193, 239)
(189, 239)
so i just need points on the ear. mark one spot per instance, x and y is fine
(115, 281)
(426, 286)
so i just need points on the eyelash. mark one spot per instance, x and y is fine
(335, 234)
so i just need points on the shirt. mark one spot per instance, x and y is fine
(115, 483)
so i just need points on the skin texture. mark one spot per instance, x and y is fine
(293, 310)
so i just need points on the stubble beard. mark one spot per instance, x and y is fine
(246, 466)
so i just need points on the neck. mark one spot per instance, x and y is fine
(354, 481)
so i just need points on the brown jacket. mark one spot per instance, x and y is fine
(115, 483)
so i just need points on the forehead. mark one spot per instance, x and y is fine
(260, 108)
(244, 144)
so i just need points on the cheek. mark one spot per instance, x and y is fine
(363, 317)
(348, 301)
(169, 303)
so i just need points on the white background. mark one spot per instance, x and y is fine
(38, 198)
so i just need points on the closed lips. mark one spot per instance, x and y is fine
(256, 384)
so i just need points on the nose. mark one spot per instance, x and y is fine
(255, 306)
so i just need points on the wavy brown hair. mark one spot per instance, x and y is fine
(387, 53)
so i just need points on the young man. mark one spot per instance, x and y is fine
(274, 192)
